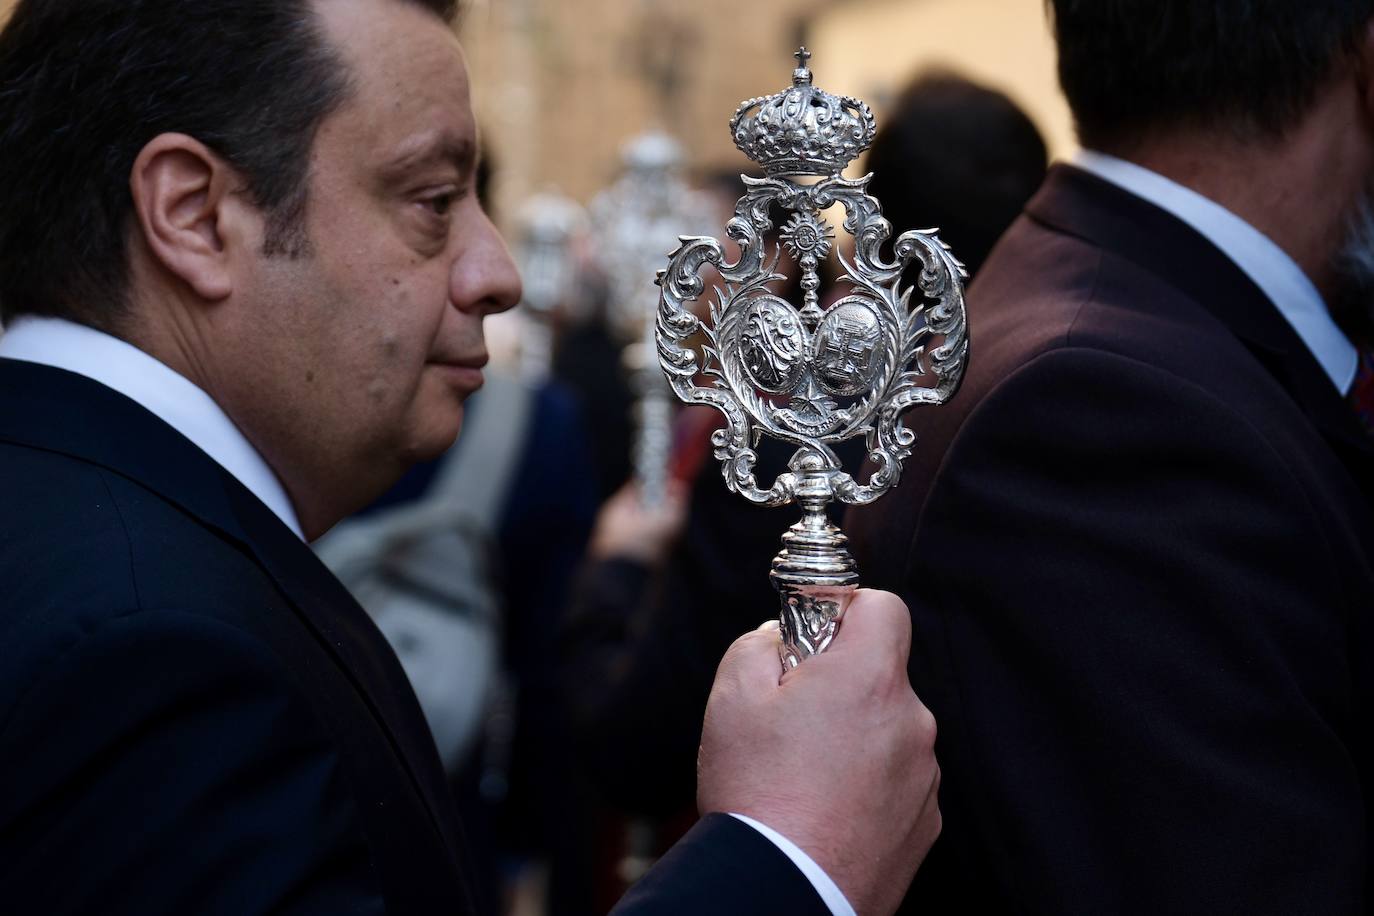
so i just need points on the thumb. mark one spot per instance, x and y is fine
(752, 660)
(876, 625)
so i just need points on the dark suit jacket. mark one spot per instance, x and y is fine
(1137, 550)
(196, 718)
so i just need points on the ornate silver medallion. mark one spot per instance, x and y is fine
(813, 376)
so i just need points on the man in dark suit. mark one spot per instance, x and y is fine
(243, 278)
(1137, 545)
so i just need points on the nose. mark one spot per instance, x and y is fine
(483, 278)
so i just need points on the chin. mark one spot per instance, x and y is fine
(434, 436)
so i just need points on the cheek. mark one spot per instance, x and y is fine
(396, 344)
(413, 310)
(388, 377)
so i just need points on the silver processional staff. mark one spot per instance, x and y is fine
(637, 219)
(812, 376)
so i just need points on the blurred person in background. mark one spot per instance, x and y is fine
(958, 156)
(1138, 546)
(589, 360)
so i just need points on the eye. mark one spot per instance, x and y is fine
(440, 204)
(431, 212)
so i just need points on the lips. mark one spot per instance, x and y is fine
(462, 372)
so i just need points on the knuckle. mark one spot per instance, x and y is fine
(743, 645)
(896, 606)
(923, 727)
(925, 721)
(892, 609)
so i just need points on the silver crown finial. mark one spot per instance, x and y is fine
(802, 75)
(803, 130)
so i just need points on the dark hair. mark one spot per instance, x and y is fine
(1250, 67)
(957, 156)
(85, 84)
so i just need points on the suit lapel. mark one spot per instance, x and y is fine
(63, 412)
(1082, 205)
(351, 637)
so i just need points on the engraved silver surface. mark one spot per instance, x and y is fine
(637, 221)
(812, 376)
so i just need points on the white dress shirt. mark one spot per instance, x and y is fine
(181, 404)
(172, 397)
(1276, 274)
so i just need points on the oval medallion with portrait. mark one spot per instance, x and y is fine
(772, 344)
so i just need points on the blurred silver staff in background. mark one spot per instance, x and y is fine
(636, 222)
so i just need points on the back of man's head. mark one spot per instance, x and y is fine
(1247, 67)
(85, 84)
(959, 156)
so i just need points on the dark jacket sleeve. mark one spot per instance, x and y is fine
(722, 867)
(178, 773)
(1131, 625)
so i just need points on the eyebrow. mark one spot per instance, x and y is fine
(429, 149)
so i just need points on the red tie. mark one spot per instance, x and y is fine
(1362, 392)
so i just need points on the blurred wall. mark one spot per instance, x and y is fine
(560, 86)
(870, 48)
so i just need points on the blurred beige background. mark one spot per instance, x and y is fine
(561, 85)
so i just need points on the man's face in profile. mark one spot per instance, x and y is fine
(371, 339)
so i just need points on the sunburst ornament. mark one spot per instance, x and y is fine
(804, 234)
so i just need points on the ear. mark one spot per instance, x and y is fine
(180, 190)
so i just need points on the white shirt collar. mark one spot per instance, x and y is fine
(1268, 265)
(172, 397)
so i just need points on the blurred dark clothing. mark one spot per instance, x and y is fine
(589, 361)
(1137, 547)
(546, 517)
(546, 809)
(519, 798)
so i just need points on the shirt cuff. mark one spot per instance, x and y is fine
(829, 891)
